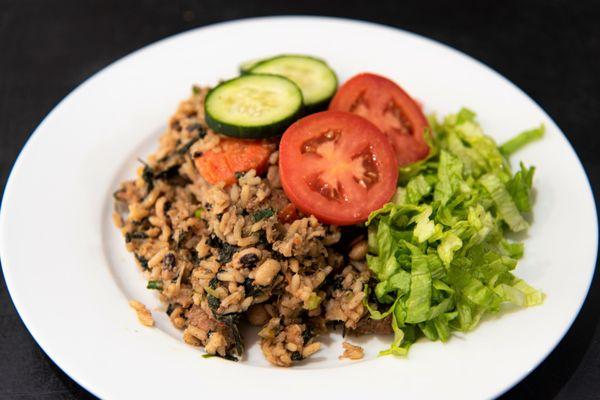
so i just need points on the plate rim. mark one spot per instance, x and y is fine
(89, 386)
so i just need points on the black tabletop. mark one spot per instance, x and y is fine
(551, 49)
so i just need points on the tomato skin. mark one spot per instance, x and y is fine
(391, 109)
(288, 214)
(358, 140)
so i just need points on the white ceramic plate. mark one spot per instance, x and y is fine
(70, 276)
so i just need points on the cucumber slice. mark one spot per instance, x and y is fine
(253, 106)
(316, 80)
(245, 67)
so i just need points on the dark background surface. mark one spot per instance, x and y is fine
(551, 49)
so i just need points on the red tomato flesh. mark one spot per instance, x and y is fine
(391, 109)
(287, 214)
(337, 166)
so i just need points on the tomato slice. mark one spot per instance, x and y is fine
(337, 166)
(391, 109)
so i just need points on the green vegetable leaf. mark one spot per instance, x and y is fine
(522, 139)
(519, 188)
(449, 177)
(395, 348)
(399, 283)
(419, 298)
(416, 189)
(507, 209)
(313, 301)
(425, 227)
(449, 244)
(520, 293)
(262, 214)
(376, 314)
(157, 285)
(438, 251)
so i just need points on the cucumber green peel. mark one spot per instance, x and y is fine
(439, 252)
(245, 67)
(253, 106)
(314, 77)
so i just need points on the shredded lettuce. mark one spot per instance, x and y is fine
(505, 205)
(439, 251)
(522, 139)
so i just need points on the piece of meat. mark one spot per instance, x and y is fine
(200, 319)
(207, 324)
(368, 326)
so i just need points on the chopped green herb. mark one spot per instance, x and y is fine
(250, 289)
(184, 149)
(210, 291)
(213, 283)
(170, 309)
(193, 257)
(214, 241)
(195, 89)
(142, 260)
(262, 214)
(198, 212)
(228, 357)
(194, 127)
(213, 302)
(307, 334)
(135, 235)
(148, 176)
(313, 301)
(226, 252)
(168, 174)
(232, 320)
(155, 285)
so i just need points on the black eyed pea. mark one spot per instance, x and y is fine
(266, 272)
(247, 258)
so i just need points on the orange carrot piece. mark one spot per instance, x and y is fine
(236, 155)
